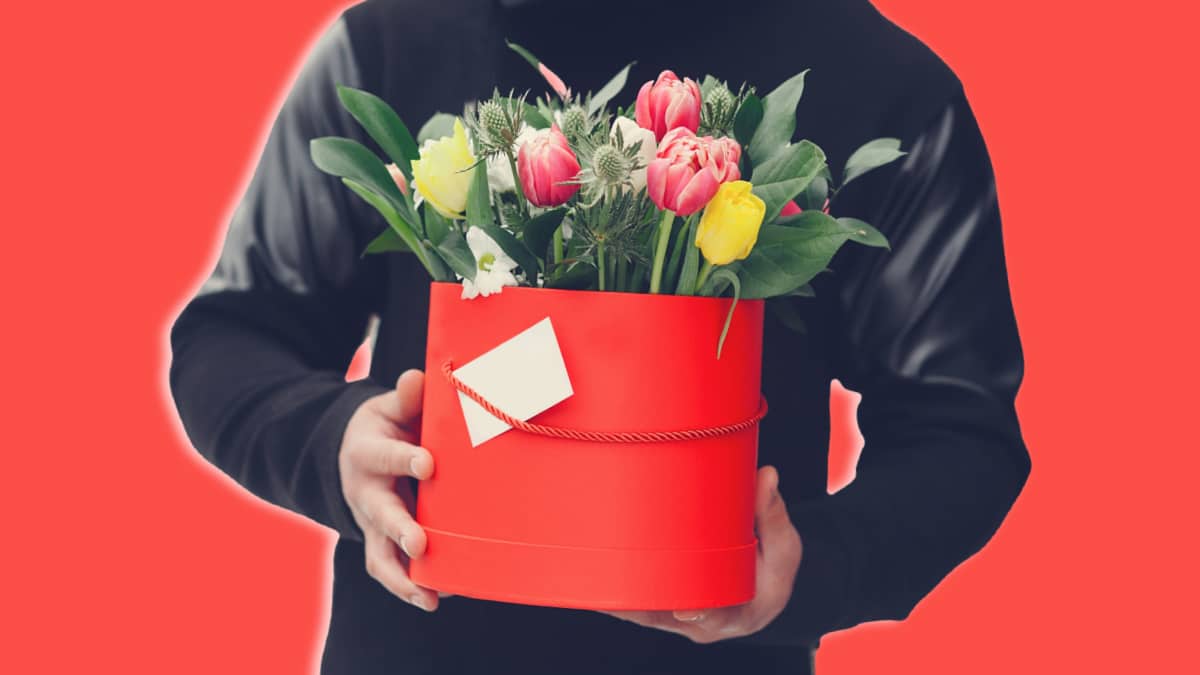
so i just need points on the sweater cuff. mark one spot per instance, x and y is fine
(821, 597)
(327, 438)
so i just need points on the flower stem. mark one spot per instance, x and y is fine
(660, 250)
(705, 270)
(558, 245)
(600, 262)
(675, 262)
(512, 163)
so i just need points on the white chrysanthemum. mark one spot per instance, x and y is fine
(631, 133)
(500, 177)
(494, 269)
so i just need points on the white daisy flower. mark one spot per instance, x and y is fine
(494, 269)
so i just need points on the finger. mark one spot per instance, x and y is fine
(389, 457)
(403, 405)
(690, 615)
(659, 620)
(700, 632)
(385, 566)
(778, 541)
(386, 513)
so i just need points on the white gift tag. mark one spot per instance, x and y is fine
(523, 376)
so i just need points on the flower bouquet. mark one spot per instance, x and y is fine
(595, 326)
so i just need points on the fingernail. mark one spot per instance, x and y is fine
(415, 466)
(404, 546)
(418, 602)
(690, 617)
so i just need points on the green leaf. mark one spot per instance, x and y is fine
(540, 229)
(785, 311)
(440, 125)
(778, 180)
(402, 228)
(479, 214)
(383, 125)
(691, 263)
(749, 116)
(576, 277)
(479, 202)
(863, 233)
(609, 90)
(387, 242)
(728, 275)
(525, 53)
(454, 251)
(533, 117)
(346, 158)
(815, 194)
(437, 226)
(787, 257)
(779, 119)
(870, 156)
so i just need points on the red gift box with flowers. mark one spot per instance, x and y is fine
(595, 330)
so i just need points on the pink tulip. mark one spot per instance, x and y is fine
(668, 103)
(722, 156)
(398, 176)
(545, 163)
(554, 81)
(688, 170)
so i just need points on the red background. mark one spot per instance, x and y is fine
(130, 127)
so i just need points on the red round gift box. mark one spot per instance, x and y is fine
(537, 520)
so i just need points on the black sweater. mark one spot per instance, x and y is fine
(924, 331)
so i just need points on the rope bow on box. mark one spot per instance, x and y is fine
(603, 436)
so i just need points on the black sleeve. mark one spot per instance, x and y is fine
(929, 339)
(259, 355)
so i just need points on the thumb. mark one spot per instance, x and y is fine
(770, 512)
(403, 405)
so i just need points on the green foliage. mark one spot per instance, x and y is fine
(691, 262)
(872, 155)
(540, 229)
(387, 242)
(437, 226)
(454, 251)
(525, 53)
(787, 257)
(480, 214)
(814, 196)
(863, 233)
(440, 125)
(727, 275)
(747, 119)
(786, 174)
(403, 229)
(613, 87)
(778, 120)
(383, 125)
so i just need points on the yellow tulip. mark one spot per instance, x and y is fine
(729, 227)
(440, 174)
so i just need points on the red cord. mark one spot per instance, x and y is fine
(603, 436)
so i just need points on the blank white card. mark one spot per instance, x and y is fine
(523, 376)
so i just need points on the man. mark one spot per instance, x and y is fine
(924, 331)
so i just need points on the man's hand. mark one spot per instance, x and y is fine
(376, 460)
(778, 559)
